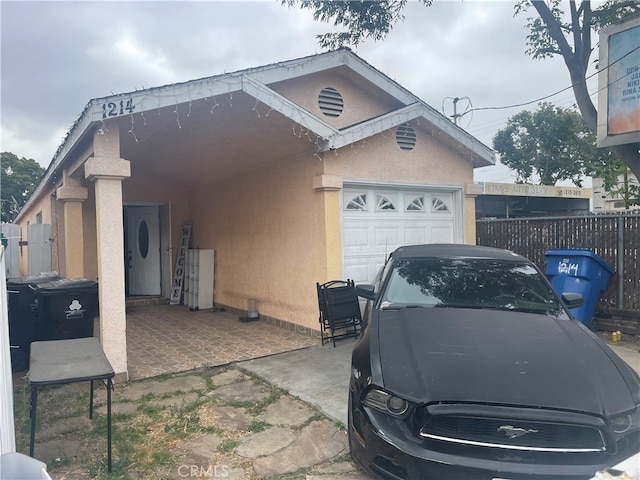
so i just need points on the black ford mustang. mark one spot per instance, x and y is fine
(471, 367)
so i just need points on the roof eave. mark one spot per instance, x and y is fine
(254, 81)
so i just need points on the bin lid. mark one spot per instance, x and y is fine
(64, 285)
(579, 252)
(34, 279)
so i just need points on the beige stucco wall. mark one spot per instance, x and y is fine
(275, 236)
(58, 249)
(267, 228)
(361, 102)
(380, 159)
(90, 233)
(430, 162)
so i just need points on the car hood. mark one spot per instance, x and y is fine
(489, 356)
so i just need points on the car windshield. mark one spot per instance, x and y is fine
(469, 283)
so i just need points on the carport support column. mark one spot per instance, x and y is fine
(107, 173)
(471, 191)
(330, 187)
(73, 194)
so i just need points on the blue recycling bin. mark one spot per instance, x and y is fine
(578, 271)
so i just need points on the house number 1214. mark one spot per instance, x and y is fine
(114, 109)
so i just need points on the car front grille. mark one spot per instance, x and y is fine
(513, 434)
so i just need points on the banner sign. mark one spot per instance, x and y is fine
(178, 277)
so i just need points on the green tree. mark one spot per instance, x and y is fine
(362, 19)
(18, 178)
(617, 182)
(550, 35)
(552, 143)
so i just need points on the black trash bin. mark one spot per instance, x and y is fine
(23, 316)
(66, 308)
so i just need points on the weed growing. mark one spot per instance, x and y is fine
(147, 431)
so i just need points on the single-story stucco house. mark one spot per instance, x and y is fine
(295, 173)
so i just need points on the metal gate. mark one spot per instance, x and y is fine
(39, 236)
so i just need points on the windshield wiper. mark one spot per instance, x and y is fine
(461, 305)
(401, 306)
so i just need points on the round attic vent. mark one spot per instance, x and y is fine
(406, 137)
(330, 102)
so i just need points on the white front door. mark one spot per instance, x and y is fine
(143, 250)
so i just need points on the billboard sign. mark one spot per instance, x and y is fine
(527, 190)
(619, 84)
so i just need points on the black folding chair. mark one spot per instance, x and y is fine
(339, 310)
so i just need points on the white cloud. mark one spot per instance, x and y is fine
(56, 56)
(139, 60)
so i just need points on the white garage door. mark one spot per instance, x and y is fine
(375, 221)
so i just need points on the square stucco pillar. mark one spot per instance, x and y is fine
(107, 174)
(330, 187)
(471, 191)
(73, 195)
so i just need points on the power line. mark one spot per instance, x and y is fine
(566, 88)
(566, 101)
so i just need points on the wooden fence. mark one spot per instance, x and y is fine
(614, 237)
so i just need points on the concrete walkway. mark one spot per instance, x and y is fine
(631, 356)
(318, 375)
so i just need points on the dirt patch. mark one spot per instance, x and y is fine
(163, 433)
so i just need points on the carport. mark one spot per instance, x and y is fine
(255, 161)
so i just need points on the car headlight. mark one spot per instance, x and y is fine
(385, 402)
(626, 423)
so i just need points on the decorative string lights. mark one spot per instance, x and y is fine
(215, 104)
(131, 130)
(177, 117)
(255, 108)
(208, 89)
(195, 95)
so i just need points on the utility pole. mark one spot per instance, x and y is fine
(457, 115)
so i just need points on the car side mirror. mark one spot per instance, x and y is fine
(366, 291)
(572, 300)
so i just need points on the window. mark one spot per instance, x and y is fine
(439, 205)
(358, 202)
(143, 239)
(384, 203)
(415, 204)
(470, 283)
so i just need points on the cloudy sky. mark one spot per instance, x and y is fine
(56, 56)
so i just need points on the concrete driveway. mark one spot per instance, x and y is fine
(318, 375)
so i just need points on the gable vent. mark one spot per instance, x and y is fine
(330, 102)
(406, 137)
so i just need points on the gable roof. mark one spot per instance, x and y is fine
(254, 82)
